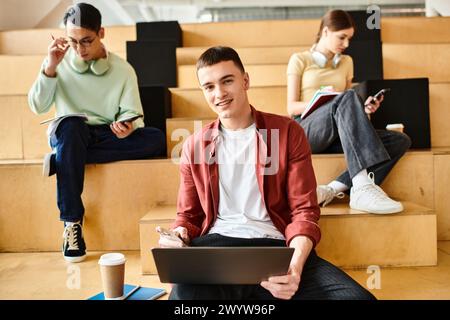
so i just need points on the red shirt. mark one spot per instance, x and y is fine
(284, 171)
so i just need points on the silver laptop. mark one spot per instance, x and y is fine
(221, 265)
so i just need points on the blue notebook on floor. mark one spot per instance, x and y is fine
(133, 292)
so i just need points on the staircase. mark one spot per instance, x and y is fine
(125, 200)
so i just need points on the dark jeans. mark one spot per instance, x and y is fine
(341, 125)
(319, 280)
(75, 144)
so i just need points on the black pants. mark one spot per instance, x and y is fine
(319, 280)
(75, 144)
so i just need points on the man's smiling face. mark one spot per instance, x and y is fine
(225, 88)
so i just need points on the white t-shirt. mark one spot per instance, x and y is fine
(242, 213)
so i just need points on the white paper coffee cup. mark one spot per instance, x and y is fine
(395, 127)
(112, 269)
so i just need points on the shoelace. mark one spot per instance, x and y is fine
(331, 194)
(339, 195)
(371, 176)
(375, 192)
(70, 233)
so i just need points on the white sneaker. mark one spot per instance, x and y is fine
(371, 198)
(326, 194)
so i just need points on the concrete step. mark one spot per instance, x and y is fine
(349, 238)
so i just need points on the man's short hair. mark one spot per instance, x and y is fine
(85, 16)
(218, 54)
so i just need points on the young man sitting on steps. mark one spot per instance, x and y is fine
(247, 180)
(80, 76)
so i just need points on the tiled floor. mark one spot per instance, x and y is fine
(47, 276)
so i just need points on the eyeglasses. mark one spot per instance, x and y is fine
(85, 43)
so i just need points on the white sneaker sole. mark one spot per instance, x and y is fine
(378, 211)
(46, 165)
(75, 259)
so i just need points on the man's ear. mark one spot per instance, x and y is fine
(246, 81)
(101, 33)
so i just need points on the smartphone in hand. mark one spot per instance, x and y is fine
(379, 94)
(122, 121)
(170, 235)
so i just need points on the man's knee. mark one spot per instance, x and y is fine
(70, 126)
(402, 141)
(351, 95)
(405, 141)
(159, 137)
(350, 99)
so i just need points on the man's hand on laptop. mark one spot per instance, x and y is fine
(175, 238)
(283, 287)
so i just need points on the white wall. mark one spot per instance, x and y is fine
(22, 14)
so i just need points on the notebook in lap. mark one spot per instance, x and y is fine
(221, 265)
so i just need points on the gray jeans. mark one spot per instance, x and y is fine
(341, 125)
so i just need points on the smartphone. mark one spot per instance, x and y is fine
(130, 119)
(170, 235)
(379, 94)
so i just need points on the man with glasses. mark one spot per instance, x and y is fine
(80, 76)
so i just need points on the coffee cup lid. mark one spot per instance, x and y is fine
(395, 126)
(112, 259)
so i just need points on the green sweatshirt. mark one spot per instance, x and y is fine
(105, 89)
